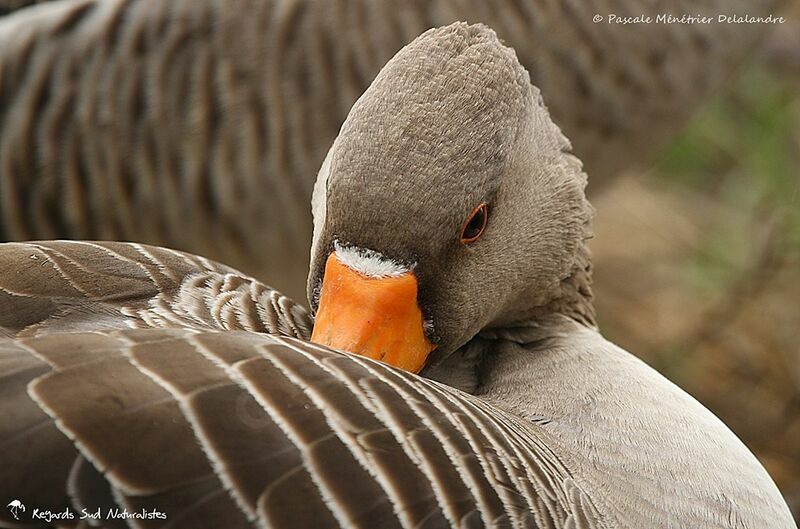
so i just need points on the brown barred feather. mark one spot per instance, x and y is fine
(287, 431)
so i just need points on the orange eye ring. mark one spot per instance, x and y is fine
(475, 224)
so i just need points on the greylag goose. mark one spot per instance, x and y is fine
(169, 122)
(139, 387)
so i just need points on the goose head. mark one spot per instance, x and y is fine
(448, 204)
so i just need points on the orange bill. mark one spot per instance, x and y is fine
(374, 317)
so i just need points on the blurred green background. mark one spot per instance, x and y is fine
(698, 270)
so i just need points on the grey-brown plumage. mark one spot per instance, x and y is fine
(227, 429)
(62, 286)
(200, 124)
(234, 428)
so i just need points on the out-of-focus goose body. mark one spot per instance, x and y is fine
(462, 255)
(199, 124)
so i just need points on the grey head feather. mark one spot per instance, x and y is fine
(450, 122)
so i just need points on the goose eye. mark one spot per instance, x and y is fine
(475, 224)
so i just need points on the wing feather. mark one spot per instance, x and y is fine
(240, 429)
(127, 425)
(27, 434)
(89, 490)
(74, 286)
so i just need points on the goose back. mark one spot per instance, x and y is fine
(140, 383)
(177, 412)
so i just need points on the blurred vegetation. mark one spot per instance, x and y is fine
(709, 294)
(744, 150)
